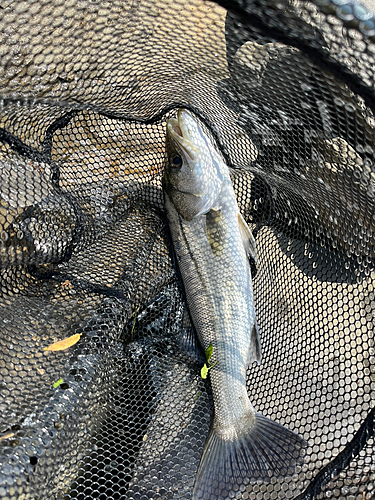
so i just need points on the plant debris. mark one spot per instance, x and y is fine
(61, 345)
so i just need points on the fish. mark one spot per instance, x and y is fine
(213, 247)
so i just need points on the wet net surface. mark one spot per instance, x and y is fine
(287, 90)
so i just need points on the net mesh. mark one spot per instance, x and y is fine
(86, 87)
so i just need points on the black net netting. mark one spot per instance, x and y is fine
(286, 88)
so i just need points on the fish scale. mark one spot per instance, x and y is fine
(213, 244)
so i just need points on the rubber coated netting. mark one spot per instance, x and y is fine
(287, 90)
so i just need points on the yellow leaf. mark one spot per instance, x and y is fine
(64, 344)
(7, 435)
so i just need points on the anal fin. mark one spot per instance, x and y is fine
(255, 353)
(188, 340)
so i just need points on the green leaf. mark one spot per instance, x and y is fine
(204, 371)
(209, 353)
(59, 382)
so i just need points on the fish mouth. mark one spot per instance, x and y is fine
(178, 133)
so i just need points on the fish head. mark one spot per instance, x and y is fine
(193, 178)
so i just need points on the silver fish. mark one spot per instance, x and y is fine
(213, 244)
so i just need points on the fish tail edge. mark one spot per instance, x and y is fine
(263, 450)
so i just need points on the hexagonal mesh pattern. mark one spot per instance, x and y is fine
(86, 87)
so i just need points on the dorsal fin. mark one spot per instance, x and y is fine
(247, 239)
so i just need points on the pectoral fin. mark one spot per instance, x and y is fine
(248, 239)
(216, 230)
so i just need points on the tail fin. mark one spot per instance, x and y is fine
(261, 451)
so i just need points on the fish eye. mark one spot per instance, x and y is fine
(175, 161)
